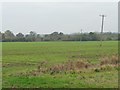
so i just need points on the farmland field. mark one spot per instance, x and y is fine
(38, 64)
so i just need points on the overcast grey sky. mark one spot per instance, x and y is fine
(66, 17)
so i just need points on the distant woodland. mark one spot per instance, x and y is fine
(9, 36)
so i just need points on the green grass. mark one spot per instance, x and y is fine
(88, 80)
(19, 56)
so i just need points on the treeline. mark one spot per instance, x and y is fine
(9, 36)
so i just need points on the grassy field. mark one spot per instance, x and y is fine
(43, 64)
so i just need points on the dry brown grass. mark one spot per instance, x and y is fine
(78, 66)
(106, 67)
(69, 66)
(109, 60)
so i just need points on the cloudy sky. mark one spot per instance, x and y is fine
(66, 17)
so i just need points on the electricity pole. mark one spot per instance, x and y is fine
(102, 26)
(81, 35)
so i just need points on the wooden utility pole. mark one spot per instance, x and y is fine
(81, 35)
(102, 27)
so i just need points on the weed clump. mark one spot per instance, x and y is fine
(97, 70)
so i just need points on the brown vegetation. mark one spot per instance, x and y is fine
(70, 65)
(107, 63)
(109, 60)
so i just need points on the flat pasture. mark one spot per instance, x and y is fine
(60, 64)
